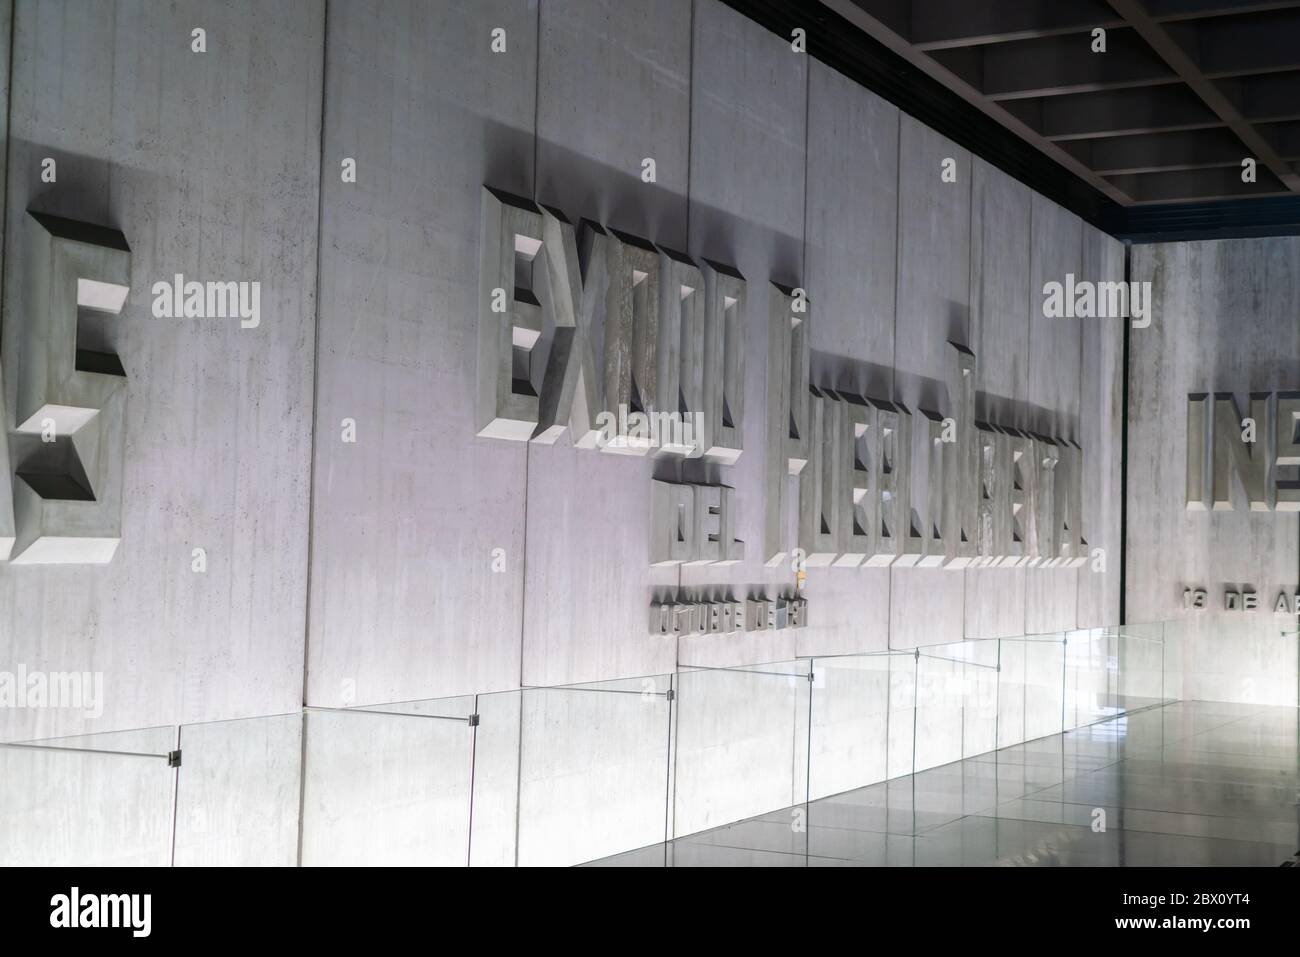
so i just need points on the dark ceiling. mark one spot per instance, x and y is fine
(1185, 91)
(1145, 141)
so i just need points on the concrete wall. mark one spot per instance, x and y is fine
(209, 164)
(1224, 321)
(747, 183)
(421, 561)
(404, 603)
(765, 160)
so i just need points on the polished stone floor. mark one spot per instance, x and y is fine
(1190, 783)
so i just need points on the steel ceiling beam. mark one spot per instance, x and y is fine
(1163, 43)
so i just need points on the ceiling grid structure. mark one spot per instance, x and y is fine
(1183, 93)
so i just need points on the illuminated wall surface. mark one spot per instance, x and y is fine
(1231, 327)
(361, 544)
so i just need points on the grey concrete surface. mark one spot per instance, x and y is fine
(422, 560)
(1052, 389)
(748, 167)
(611, 92)
(433, 561)
(1001, 299)
(1101, 411)
(927, 605)
(852, 235)
(404, 600)
(208, 163)
(1224, 321)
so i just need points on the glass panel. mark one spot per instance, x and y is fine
(593, 769)
(957, 702)
(1140, 650)
(1089, 678)
(496, 780)
(742, 747)
(1044, 686)
(108, 804)
(238, 792)
(980, 687)
(389, 785)
(901, 758)
(1174, 661)
(850, 723)
(459, 707)
(728, 761)
(1011, 691)
(940, 706)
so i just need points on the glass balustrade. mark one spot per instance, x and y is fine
(637, 771)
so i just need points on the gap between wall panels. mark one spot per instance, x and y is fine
(1123, 457)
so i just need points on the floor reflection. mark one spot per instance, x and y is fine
(1190, 783)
